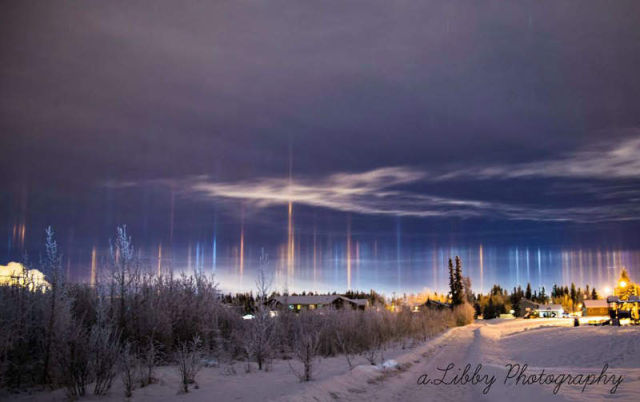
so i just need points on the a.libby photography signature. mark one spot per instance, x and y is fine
(519, 374)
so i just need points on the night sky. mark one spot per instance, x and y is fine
(401, 133)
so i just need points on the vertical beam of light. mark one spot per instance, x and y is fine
(550, 262)
(189, 258)
(315, 261)
(24, 206)
(291, 248)
(202, 259)
(528, 271)
(22, 235)
(610, 266)
(290, 245)
(517, 266)
(171, 213)
(581, 268)
(375, 260)
(335, 263)
(348, 252)
(434, 268)
(591, 266)
(481, 270)
(398, 252)
(68, 274)
(214, 245)
(242, 249)
(159, 259)
(599, 263)
(357, 264)
(442, 261)
(94, 273)
(196, 269)
(539, 268)
(565, 266)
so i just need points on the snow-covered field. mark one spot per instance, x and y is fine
(550, 344)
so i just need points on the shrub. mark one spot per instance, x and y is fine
(189, 358)
(463, 314)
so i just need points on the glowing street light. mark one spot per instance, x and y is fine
(607, 290)
(623, 284)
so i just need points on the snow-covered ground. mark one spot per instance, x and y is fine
(550, 344)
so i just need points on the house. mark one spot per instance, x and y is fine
(592, 308)
(531, 309)
(313, 302)
(527, 307)
(550, 310)
(436, 305)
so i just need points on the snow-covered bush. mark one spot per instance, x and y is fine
(104, 350)
(463, 314)
(73, 358)
(189, 359)
(129, 369)
(306, 342)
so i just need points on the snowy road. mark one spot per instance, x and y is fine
(550, 345)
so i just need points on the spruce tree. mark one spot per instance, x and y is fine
(452, 283)
(457, 289)
(573, 293)
(543, 295)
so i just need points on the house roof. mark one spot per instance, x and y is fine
(318, 299)
(596, 303)
(550, 307)
(436, 303)
(542, 307)
(529, 303)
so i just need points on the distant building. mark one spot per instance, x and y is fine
(592, 308)
(527, 307)
(16, 274)
(531, 309)
(436, 305)
(550, 310)
(313, 302)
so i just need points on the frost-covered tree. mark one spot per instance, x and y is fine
(52, 266)
(189, 358)
(259, 335)
(306, 342)
(125, 271)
